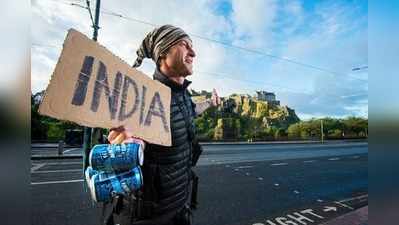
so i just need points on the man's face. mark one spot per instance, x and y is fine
(180, 58)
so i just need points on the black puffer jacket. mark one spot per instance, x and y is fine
(167, 170)
(166, 192)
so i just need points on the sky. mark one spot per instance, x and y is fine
(303, 51)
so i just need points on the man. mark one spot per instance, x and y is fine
(169, 191)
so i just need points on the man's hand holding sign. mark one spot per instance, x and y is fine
(94, 88)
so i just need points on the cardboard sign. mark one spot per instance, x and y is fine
(94, 88)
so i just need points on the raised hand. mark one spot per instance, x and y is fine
(215, 98)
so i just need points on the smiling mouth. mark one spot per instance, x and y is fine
(190, 61)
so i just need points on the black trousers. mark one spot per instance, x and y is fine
(124, 216)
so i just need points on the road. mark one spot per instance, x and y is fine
(270, 184)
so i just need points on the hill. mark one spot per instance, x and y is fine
(244, 117)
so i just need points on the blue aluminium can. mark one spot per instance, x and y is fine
(116, 157)
(103, 186)
(89, 173)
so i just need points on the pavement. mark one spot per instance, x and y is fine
(254, 184)
(359, 216)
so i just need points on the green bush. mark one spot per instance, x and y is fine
(279, 133)
(55, 132)
(336, 133)
(211, 133)
(294, 131)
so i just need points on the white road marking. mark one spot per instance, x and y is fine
(341, 203)
(333, 159)
(244, 167)
(72, 149)
(303, 217)
(276, 184)
(344, 205)
(37, 166)
(296, 192)
(297, 217)
(310, 211)
(65, 163)
(278, 164)
(57, 182)
(58, 171)
(308, 216)
(309, 161)
(354, 198)
(260, 178)
(329, 208)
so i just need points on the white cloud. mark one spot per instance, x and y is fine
(253, 22)
(291, 17)
(43, 66)
(253, 17)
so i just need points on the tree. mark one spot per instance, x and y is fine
(44, 127)
(334, 128)
(353, 126)
(294, 130)
(218, 134)
(39, 127)
(336, 133)
(280, 133)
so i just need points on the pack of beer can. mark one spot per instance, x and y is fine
(114, 170)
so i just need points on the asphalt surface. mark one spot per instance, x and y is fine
(270, 184)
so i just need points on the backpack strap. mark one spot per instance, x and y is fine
(194, 191)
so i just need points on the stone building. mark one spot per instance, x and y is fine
(269, 97)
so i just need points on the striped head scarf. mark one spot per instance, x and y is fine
(157, 42)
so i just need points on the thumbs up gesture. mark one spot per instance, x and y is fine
(215, 98)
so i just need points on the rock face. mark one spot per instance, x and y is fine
(243, 116)
(270, 114)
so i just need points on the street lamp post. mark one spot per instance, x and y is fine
(87, 135)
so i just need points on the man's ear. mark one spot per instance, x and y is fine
(160, 59)
(162, 56)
